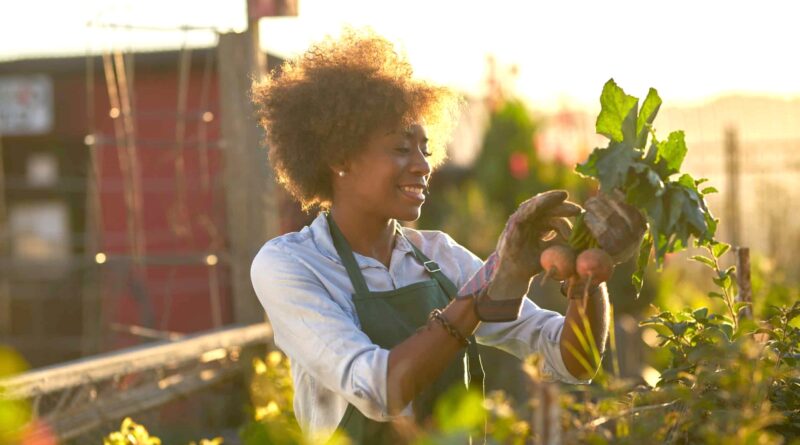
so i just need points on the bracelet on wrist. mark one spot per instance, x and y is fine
(438, 315)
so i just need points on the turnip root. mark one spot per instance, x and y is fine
(593, 266)
(558, 262)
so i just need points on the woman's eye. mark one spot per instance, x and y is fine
(406, 150)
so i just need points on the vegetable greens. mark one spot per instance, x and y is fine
(649, 176)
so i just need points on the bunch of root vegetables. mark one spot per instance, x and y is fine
(605, 234)
(591, 267)
(643, 196)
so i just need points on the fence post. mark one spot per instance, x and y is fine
(546, 421)
(252, 212)
(732, 194)
(745, 294)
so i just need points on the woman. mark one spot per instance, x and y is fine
(376, 317)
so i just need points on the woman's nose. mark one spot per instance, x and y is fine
(420, 164)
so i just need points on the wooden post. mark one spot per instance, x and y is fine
(745, 294)
(546, 425)
(91, 303)
(732, 195)
(252, 211)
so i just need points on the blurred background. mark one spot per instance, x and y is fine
(134, 191)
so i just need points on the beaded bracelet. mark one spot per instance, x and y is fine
(438, 315)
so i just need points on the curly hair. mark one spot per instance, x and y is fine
(320, 108)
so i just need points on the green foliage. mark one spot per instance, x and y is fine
(132, 433)
(271, 394)
(461, 414)
(675, 208)
(15, 414)
(734, 378)
(506, 172)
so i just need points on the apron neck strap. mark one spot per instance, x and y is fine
(431, 266)
(347, 257)
(354, 272)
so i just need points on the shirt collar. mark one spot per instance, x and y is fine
(322, 239)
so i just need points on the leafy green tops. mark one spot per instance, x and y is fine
(649, 176)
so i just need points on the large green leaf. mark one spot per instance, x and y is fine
(589, 167)
(675, 208)
(613, 164)
(647, 115)
(629, 127)
(675, 200)
(694, 215)
(671, 152)
(616, 106)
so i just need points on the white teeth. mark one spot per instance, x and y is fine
(417, 190)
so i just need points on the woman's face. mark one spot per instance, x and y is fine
(388, 179)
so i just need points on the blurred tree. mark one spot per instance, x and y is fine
(473, 204)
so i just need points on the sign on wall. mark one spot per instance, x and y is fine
(26, 105)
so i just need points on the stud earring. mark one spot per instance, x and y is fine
(341, 173)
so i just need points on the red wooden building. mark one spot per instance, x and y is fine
(114, 201)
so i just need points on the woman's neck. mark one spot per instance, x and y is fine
(367, 234)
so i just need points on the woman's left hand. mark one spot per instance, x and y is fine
(538, 223)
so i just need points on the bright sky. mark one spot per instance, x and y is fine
(565, 49)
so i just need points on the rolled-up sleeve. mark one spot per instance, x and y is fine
(318, 334)
(536, 330)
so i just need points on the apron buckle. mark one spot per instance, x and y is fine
(431, 266)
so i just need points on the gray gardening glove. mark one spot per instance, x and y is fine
(501, 284)
(617, 226)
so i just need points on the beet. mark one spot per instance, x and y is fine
(594, 265)
(558, 262)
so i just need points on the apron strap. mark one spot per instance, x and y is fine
(476, 372)
(432, 267)
(347, 257)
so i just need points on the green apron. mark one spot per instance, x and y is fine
(390, 317)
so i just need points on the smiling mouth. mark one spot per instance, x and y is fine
(416, 192)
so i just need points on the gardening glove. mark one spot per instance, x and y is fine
(617, 226)
(499, 286)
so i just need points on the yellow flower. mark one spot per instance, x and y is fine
(274, 358)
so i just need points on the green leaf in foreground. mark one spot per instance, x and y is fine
(616, 107)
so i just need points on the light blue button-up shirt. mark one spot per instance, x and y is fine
(307, 294)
